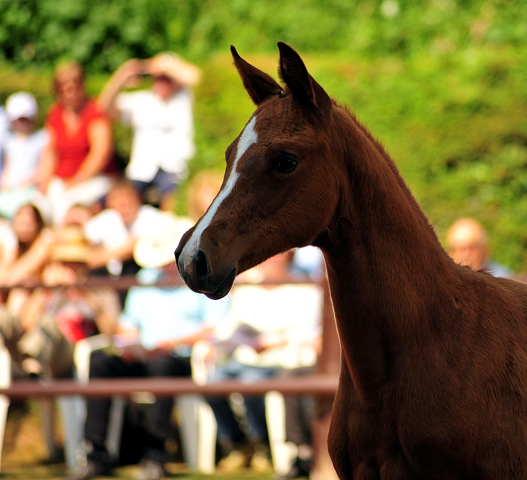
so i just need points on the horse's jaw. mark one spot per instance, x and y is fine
(223, 288)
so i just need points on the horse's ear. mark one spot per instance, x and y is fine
(302, 85)
(258, 84)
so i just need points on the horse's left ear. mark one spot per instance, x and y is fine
(302, 85)
(258, 84)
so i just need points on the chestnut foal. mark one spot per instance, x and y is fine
(434, 364)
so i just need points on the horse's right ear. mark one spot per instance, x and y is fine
(301, 84)
(258, 84)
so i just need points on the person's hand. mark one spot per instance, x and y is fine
(42, 185)
(158, 352)
(130, 72)
(71, 182)
(57, 274)
(166, 346)
(180, 71)
(155, 66)
(127, 357)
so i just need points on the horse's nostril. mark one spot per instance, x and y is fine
(201, 265)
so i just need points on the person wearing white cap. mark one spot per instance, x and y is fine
(21, 149)
(161, 118)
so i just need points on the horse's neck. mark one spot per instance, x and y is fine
(383, 262)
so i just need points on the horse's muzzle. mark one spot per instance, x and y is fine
(200, 277)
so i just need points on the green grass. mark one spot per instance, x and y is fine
(24, 455)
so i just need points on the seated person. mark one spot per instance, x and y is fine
(158, 327)
(468, 244)
(161, 119)
(77, 161)
(116, 229)
(52, 320)
(22, 149)
(25, 263)
(269, 327)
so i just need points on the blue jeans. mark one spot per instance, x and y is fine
(163, 182)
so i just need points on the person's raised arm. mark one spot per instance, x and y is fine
(101, 255)
(28, 263)
(127, 74)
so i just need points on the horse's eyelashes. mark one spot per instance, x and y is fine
(284, 163)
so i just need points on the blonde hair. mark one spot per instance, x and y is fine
(66, 68)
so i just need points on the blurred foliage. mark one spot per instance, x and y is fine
(102, 34)
(440, 83)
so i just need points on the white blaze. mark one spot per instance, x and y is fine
(248, 138)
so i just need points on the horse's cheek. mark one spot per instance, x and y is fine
(271, 202)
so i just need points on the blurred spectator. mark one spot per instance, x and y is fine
(116, 229)
(4, 129)
(41, 338)
(78, 215)
(22, 149)
(78, 157)
(158, 327)
(308, 261)
(468, 244)
(30, 255)
(269, 328)
(161, 119)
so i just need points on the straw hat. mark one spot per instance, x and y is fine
(70, 245)
(156, 249)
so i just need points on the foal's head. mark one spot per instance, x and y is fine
(280, 187)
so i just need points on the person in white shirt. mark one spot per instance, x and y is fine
(161, 119)
(116, 229)
(21, 149)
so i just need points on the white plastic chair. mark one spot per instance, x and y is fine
(66, 405)
(5, 380)
(282, 453)
(196, 419)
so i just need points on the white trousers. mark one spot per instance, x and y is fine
(59, 199)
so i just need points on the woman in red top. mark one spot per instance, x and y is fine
(76, 162)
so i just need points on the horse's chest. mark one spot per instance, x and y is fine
(420, 444)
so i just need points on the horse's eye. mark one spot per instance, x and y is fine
(284, 163)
